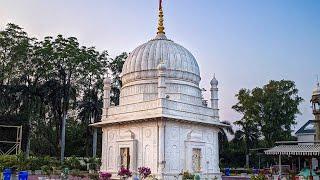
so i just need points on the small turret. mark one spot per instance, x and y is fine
(315, 100)
(106, 95)
(214, 96)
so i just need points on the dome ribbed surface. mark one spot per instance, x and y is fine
(148, 56)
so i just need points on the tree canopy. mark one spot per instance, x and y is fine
(268, 114)
(57, 85)
(272, 109)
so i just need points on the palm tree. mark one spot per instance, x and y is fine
(249, 134)
(223, 134)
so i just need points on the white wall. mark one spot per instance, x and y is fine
(306, 138)
(142, 139)
(181, 138)
(143, 146)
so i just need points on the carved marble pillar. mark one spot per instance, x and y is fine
(161, 148)
(162, 80)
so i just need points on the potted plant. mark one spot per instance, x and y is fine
(124, 173)
(144, 172)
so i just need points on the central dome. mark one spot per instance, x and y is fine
(160, 67)
(143, 61)
(140, 73)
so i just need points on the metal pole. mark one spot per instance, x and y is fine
(17, 140)
(20, 138)
(280, 169)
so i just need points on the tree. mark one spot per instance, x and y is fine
(271, 109)
(19, 75)
(90, 112)
(223, 135)
(115, 66)
(249, 135)
(56, 84)
(94, 67)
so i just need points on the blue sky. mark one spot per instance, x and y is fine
(245, 43)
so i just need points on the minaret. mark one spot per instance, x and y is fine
(315, 100)
(106, 95)
(214, 96)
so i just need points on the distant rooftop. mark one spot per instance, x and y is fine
(307, 128)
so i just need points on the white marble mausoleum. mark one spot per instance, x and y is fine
(162, 121)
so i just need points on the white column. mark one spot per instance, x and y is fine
(161, 148)
(106, 105)
(104, 151)
(161, 80)
(216, 160)
(214, 97)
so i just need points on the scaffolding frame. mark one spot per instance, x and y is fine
(15, 145)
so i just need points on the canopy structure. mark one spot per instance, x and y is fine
(299, 150)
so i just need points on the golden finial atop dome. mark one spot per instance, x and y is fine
(160, 21)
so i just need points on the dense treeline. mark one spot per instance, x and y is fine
(54, 84)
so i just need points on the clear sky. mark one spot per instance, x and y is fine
(245, 43)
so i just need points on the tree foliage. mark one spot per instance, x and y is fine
(270, 110)
(54, 82)
(268, 114)
(115, 65)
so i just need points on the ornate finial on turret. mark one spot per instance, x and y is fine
(106, 79)
(214, 81)
(160, 21)
(316, 90)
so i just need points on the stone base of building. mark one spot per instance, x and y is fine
(209, 176)
(172, 176)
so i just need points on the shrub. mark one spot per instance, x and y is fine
(8, 161)
(37, 163)
(124, 173)
(105, 175)
(22, 162)
(47, 170)
(144, 172)
(73, 163)
(259, 177)
(93, 163)
(77, 173)
(186, 175)
(94, 176)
